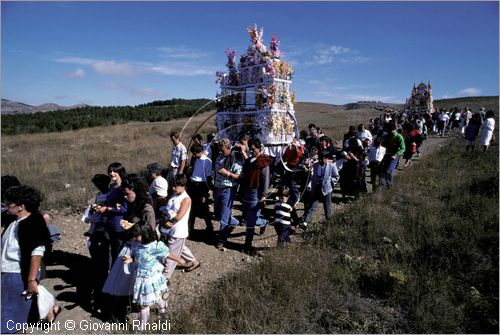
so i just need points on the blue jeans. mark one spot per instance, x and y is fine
(316, 197)
(223, 205)
(290, 180)
(251, 203)
(283, 231)
(15, 308)
(388, 166)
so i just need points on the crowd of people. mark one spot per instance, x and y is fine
(139, 223)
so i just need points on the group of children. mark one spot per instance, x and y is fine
(124, 228)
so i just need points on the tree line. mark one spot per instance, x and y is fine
(96, 116)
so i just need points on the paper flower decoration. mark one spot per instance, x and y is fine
(270, 68)
(275, 43)
(231, 56)
(271, 95)
(256, 37)
(220, 77)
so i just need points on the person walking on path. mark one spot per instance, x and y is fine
(150, 286)
(199, 190)
(487, 128)
(325, 175)
(174, 227)
(178, 159)
(257, 179)
(227, 174)
(394, 144)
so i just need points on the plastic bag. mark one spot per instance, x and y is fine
(45, 301)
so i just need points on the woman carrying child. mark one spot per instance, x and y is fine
(148, 256)
(119, 283)
(114, 208)
(139, 202)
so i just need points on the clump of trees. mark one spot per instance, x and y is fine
(95, 116)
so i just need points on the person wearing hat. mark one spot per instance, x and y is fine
(324, 176)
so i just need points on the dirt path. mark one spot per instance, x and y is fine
(68, 274)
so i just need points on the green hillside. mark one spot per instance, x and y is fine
(94, 116)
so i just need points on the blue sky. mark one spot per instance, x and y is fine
(127, 53)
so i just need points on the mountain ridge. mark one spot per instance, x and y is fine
(13, 107)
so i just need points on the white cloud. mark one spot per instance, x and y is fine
(445, 96)
(78, 73)
(74, 60)
(132, 90)
(367, 97)
(470, 91)
(182, 52)
(355, 60)
(114, 68)
(323, 54)
(337, 50)
(183, 69)
(107, 67)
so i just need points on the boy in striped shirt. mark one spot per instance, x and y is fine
(282, 217)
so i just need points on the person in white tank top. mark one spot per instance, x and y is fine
(174, 227)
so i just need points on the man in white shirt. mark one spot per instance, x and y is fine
(364, 136)
(198, 187)
(179, 157)
(158, 189)
(375, 156)
(443, 119)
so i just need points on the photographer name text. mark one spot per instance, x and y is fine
(87, 325)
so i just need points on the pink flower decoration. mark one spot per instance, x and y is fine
(275, 43)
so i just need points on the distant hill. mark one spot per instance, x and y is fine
(12, 107)
(38, 119)
(369, 104)
(474, 103)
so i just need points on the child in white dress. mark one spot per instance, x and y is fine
(148, 256)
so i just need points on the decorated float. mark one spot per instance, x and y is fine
(255, 97)
(421, 99)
